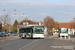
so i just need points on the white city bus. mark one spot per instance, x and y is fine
(33, 31)
(63, 32)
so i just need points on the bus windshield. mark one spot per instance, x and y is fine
(39, 29)
(63, 30)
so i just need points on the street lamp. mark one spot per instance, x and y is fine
(19, 16)
(9, 17)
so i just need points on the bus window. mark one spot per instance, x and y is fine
(22, 30)
(27, 30)
(38, 29)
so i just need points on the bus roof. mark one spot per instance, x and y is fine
(34, 25)
(30, 26)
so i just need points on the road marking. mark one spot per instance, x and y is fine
(28, 44)
(62, 47)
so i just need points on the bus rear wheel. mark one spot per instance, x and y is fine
(22, 38)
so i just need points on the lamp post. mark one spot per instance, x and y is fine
(19, 16)
(19, 22)
(9, 17)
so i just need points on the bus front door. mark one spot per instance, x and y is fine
(31, 31)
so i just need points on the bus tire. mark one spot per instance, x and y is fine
(59, 35)
(31, 37)
(25, 37)
(22, 38)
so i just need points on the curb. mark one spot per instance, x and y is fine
(65, 39)
(73, 41)
(8, 39)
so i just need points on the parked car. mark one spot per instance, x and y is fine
(1, 34)
(6, 34)
(14, 34)
(51, 33)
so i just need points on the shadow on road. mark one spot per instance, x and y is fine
(72, 36)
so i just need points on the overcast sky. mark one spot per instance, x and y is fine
(60, 10)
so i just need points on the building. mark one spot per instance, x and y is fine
(64, 25)
(6, 27)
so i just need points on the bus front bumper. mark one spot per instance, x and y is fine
(38, 35)
(63, 34)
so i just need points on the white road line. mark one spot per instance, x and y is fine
(28, 44)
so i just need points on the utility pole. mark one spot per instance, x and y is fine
(19, 17)
(9, 17)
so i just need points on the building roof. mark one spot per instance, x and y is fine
(29, 22)
(64, 25)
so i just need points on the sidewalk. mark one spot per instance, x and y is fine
(53, 36)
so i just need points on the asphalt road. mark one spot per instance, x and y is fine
(38, 44)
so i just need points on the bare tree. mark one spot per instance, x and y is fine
(57, 25)
(0, 20)
(49, 23)
(73, 23)
(4, 19)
